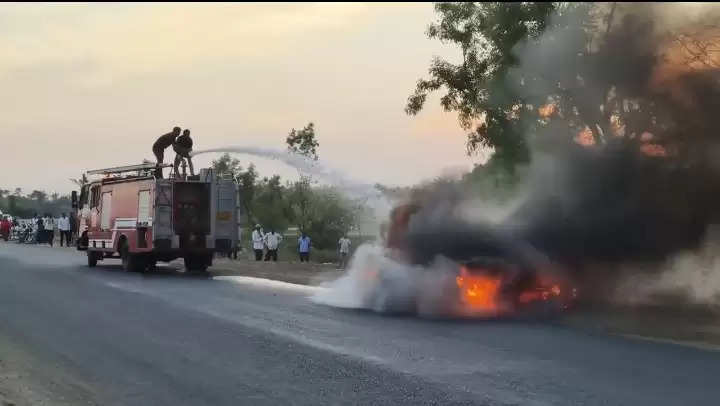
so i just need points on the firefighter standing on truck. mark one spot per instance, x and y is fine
(183, 147)
(161, 145)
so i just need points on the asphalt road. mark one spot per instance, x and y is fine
(74, 335)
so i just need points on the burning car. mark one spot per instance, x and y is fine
(463, 269)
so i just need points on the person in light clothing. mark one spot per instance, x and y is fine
(49, 223)
(258, 242)
(344, 248)
(304, 244)
(63, 225)
(272, 241)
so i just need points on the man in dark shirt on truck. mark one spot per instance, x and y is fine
(183, 147)
(161, 145)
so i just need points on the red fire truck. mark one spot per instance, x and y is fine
(131, 214)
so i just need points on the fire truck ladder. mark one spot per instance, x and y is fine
(139, 169)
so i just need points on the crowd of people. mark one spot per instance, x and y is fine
(265, 246)
(42, 230)
(39, 229)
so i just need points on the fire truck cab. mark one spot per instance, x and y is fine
(131, 214)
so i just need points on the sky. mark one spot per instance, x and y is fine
(88, 86)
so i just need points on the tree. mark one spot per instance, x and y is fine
(303, 142)
(300, 203)
(270, 207)
(12, 205)
(38, 195)
(247, 181)
(227, 166)
(322, 212)
(331, 216)
(569, 70)
(80, 182)
(478, 88)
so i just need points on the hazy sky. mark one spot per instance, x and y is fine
(92, 86)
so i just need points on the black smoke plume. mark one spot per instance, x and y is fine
(614, 201)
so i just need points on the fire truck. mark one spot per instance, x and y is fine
(131, 214)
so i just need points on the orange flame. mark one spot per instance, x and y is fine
(585, 137)
(478, 292)
(546, 110)
(654, 150)
(538, 294)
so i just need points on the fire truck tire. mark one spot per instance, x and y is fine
(92, 259)
(131, 262)
(196, 263)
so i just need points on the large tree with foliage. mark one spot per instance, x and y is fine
(586, 71)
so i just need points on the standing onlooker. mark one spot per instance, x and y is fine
(344, 248)
(39, 229)
(5, 227)
(49, 229)
(64, 229)
(304, 244)
(258, 241)
(272, 241)
(73, 227)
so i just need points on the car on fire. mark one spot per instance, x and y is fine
(479, 271)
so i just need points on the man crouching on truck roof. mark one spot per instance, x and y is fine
(161, 145)
(183, 147)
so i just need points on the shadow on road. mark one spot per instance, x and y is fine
(161, 271)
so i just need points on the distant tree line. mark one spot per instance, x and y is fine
(24, 205)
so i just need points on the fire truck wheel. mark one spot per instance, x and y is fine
(195, 263)
(92, 259)
(130, 262)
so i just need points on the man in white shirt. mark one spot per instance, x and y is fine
(64, 228)
(258, 242)
(344, 248)
(272, 241)
(49, 223)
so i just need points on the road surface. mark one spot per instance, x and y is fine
(74, 335)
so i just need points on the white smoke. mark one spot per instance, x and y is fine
(374, 281)
(692, 275)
